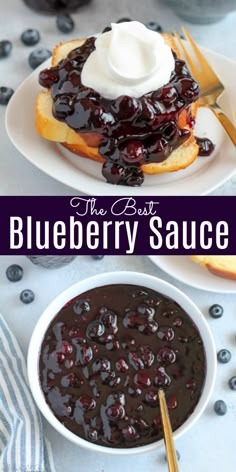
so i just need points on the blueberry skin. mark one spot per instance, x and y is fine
(224, 356)
(27, 296)
(220, 407)
(98, 258)
(38, 56)
(81, 306)
(30, 37)
(5, 95)
(65, 23)
(5, 48)
(14, 273)
(152, 25)
(123, 20)
(232, 383)
(216, 311)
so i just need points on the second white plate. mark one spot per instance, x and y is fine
(185, 270)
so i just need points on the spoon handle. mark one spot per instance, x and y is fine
(168, 436)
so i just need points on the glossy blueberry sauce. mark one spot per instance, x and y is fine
(206, 146)
(132, 131)
(105, 355)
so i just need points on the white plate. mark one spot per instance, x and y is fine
(185, 270)
(84, 175)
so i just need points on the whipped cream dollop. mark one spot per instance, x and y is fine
(128, 60)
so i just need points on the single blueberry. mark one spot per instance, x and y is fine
(232, 383)
(98, 258)
(224, 356)
(152, 25)
(65, 23)
(81, 306)
(95, 330)
(5, 48)
(14, 273)
(5, 95)
(216, 311)
(30, 37)
(123, 20)
(27, 296)
(220, 407)
(38, 56)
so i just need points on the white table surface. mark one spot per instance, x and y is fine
(17, 175)
(210, 445)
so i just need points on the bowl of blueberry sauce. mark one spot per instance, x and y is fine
(102, 349)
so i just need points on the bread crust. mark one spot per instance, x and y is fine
(178, 159)
(87, 144)
(220, 266)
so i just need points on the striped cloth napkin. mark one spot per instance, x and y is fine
(23, 446)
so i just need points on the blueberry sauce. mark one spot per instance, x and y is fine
(206, 146)
(130, 131)
(100, 366)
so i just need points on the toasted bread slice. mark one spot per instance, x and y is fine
(86, 144)
(221, 266)
(178, 159)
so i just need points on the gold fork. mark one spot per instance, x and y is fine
(210, 85)
(168, 435)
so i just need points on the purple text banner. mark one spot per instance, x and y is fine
(118, 225)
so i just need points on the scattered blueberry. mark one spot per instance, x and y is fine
(5, 48)
(232, 383)
(65, 23)
(220, 407)
(152, 25)
(30, 37)
(177, 454)
(5, 95)
(27, 296)
(216, 311)
(98, 258)
(123, 20)
(224, 356)
(14, 273)
(38, 56)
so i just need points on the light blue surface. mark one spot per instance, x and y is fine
(210, 444)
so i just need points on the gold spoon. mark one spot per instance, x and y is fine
(168, 435)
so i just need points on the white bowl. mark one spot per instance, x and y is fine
(133, 278)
